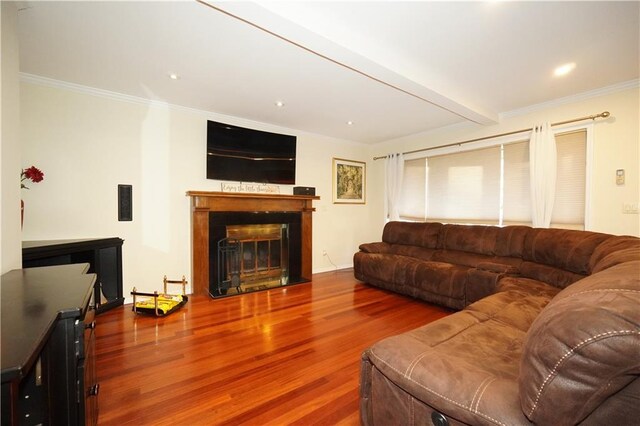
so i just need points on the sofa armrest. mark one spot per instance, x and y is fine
(482, 280)
(375, 247)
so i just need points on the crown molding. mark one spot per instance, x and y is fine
(79, 88)
(106, 94)
(607, 90)
(101, 93)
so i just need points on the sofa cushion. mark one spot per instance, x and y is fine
(416, 252)
(527, 286)
(399, 249)
(583, 347)
(510, 240)
(548, 274)
(435, 282)
(441, 278)
(562, 248)
(499, 268)
(403, 271)
(412, 233)
(478, 239)
(465, 364)
(613, 251)
(461, 258)
(395, 270)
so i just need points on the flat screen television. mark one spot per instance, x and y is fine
(246, 155)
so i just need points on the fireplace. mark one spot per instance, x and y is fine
(226, 217)
(251, 257)
(262, 252)
(253, 251)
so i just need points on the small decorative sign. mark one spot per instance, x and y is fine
(250, 188)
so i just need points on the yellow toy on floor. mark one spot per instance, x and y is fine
(160, 304)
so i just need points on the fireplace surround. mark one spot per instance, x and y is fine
(210, 208)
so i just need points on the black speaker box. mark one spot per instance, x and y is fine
(125, 203)
(304, 190)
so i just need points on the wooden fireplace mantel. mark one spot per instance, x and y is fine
(204, 202)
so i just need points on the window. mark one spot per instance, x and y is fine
(491, 185)
(414, 190)
(465, 187)
(569, 205)
(516, 207)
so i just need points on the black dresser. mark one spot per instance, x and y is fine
(48, 346)
(104, 256)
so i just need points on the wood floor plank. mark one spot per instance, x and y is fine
(281, 356)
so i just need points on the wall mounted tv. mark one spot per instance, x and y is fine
(246, 155)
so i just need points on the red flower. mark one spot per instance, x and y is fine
(33, 174)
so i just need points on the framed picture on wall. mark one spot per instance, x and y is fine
(349, 181)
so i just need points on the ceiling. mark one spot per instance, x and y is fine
(391, 68)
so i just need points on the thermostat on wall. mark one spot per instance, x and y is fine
(620, 177)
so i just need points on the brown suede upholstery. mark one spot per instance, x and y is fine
(600, 352)
(549, 332)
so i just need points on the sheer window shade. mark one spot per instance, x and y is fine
(569, 205)
(452, 195)
(516, 199)
(413, 197)
(465, 187)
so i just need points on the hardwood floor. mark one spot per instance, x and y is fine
(281, 356)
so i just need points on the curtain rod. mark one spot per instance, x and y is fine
(604, 114)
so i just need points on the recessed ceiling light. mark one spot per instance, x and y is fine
(279, 104)
(173, 76)
(350, 123)
(564, 69)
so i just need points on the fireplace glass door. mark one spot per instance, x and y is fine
(253, 257)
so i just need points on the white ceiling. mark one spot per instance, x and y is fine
(393, 68)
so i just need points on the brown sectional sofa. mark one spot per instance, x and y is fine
(549, 331)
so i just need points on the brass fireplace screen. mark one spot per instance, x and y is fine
(252, 257)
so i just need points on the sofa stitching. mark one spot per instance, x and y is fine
(413, 364)
(567, 354)
(482, 393)
(459, 404)
(478, 389)
(411, 414)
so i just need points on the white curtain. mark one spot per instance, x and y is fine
(542, 169)
(394, 167)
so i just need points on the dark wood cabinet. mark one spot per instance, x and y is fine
(48, 360)
(104, 256)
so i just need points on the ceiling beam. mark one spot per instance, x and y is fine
(295, 34)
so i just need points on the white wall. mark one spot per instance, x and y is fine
(11, 251)
(616, 146)
(87, 144)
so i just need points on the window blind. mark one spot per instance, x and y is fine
(465, 187)
(569, 204)
(413, 195)
(517, 191)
